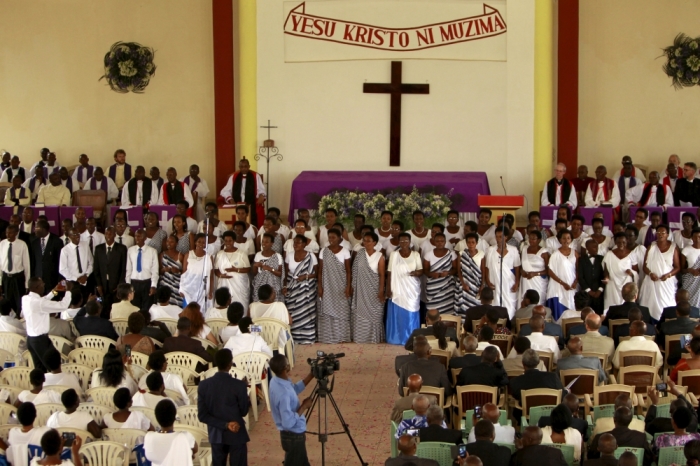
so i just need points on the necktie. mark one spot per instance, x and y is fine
(109, 250)
(92, 249)
(138, 262)
(77, 254)
(43, 245)
(120, 240)
(9, 258)
(67, 241)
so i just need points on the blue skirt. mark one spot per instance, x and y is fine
(557, 307)
(400, 323)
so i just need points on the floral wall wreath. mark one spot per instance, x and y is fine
(683, 65)
(129, 67)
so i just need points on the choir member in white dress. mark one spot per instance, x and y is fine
(453, 232)
(661, 265)
(485, 229)
(690, 268)
(534, 259)
(419, 233)
(199, 187)
(638, 251)
(563, 278)
(684, 237)
(619, 268)
(503, 272)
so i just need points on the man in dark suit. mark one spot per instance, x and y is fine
(432, 316)
(470, 358)
(488, 372)
(629, 294)
(490, 453)
(682, 325)
(550, 328)
(183, 342)
(407, 454)
(688, 187)
(435, 432)
(109, 269)
(23, 235)
(477, 312)
(534, 454)
(607, 446)
(624, 436)
(654, 425)
(433, 372)
(624, 330)
(404, 358)
(532, 378)
(590, 275)
(92, 323)
(45, 253)
(670, 312)
(222, 403)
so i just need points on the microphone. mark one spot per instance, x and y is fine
(504, 186)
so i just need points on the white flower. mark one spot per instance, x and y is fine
(693, 45)
(678, 52)
(126, 68)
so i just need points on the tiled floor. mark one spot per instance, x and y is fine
(365, 389)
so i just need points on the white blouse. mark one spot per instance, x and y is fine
(373, 260)
(294, 264)
(342, 255)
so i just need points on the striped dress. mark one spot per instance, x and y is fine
(334, 308)
(471, 274)
(172, 280)
(367, 309)
(301, 299)
(440, 291)
(268, 278)
(183, 244)
(278, 245)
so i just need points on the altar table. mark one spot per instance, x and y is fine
(310, 186)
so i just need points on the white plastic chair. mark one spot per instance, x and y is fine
(102, 396)
(59, 343)
(95, 410)
(83, 372)
(137, 371)
(95, 342)
(188, 416)
(171, 324)
(186, 374)
(10, 342)
(198, 434)
(216, 325)
(57, 388)
(206, 343)
(83, 434)
(254, 364)
(182, 358)
(204, 456)
(5, 410)
(149, 413)
(271, 329)
(6, 356)
(128, 437)
(44, 412)
(13, 391)
(121, 326)
(105, 453)
(87, 357)
(16, 377)
(139, 358)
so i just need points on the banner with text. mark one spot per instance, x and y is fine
(382, 30)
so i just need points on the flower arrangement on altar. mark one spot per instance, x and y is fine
(371, 204)
(683, 65)
(129, 67)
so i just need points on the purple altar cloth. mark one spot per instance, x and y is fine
(310, 186)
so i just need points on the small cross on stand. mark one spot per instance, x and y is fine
(396, 88)
(268, 151)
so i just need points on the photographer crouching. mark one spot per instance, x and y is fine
(287, 411)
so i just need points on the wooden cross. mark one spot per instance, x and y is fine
(396, 88)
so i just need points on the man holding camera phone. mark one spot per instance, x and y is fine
(287, 412)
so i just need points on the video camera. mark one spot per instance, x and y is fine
(324, 364)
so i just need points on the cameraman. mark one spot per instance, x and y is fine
(287, 411)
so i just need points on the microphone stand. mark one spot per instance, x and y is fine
(503, 245)
(205, 273)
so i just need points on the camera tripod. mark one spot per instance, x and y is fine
(323, 391)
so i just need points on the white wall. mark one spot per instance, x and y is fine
(50, 63)
(479, 116)
(627, 104)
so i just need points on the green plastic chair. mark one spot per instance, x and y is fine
(567, 451)
(469, 415)
(603, 411)
(438, 451)
(537, 412)
(663, 410)
(409, 414)
(670, 455)
(638, 452)
(392, 440)
(507, 445)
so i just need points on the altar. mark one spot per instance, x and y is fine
(310, 186)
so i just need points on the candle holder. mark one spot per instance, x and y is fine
(268, 151)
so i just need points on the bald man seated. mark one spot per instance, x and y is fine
(624, 329)
(605, 453)
(491, 413)
(623, 435)
(638, 342)
(484, 447)
(550, 328)
(593, 339)
(436, 431)
(531, 452)
(576, 360)
(407, 446)
(420, 405)
(405, 403)
(538, 340)
(469, 342)
(606, 424)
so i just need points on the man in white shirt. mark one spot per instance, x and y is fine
(15, 267)
(28, 222)
(638, 342)
(485, 335)
(122, 236)
(158, 363)
(602, 190)
(559, 191)
(142, 268)
(139, 190)
(75, 263)
(651, 194)
(104, 183)
(84, 171)
(91, 236)
(72, 417)
(222, 299)
(36, 312)
(54, 376)
(246, 342)
(538, 340)
(504, 434)
(163, 309)
(155, 393)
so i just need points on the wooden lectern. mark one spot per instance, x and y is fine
(501, 205)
